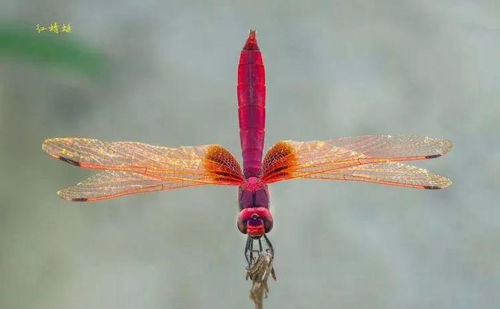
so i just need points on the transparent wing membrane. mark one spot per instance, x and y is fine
(111, 184)
(390, 173)
(171, 168)
(290, 159)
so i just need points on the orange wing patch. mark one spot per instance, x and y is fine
(279, 162)
(222, 166)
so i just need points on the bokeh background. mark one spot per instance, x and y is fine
(164, 72)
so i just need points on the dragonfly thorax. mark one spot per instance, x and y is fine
(253, 184)
(253, 193)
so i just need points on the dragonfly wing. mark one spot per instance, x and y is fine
(206, 164)
(111, 184)
(290, 159)
(389, 173)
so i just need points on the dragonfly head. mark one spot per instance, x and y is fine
(255, 221)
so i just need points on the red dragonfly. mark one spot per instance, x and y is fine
(131, 167)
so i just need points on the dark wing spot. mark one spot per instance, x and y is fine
(433, 156)
(432, 187)
(72, 162)
(79, 199)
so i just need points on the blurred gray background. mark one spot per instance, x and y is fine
(164, 72)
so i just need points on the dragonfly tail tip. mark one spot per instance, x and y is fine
(251, 43)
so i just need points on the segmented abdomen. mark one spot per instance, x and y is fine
(251, 106)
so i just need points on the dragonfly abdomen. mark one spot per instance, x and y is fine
(251, 106)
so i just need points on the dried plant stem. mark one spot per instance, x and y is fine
(259, 273)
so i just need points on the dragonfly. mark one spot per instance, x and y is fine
(131, 167)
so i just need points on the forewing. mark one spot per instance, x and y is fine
(206, 164)
(290, 159)
(390, 173)
(111, 184)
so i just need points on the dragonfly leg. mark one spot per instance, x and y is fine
(269, 245)
(250, 251)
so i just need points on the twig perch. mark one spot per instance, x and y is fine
(259, 272)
